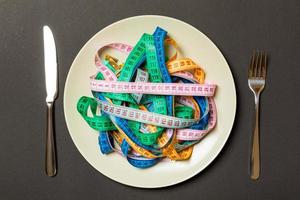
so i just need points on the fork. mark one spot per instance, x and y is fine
(256, 81)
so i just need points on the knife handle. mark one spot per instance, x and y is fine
(50, 163)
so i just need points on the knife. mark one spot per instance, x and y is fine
(50, 63)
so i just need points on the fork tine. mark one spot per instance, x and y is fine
(260, 63)
(264, 70)
(250, 71)
(255, 63)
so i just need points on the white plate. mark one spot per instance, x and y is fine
(193, 44)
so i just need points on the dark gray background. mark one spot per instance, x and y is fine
(236, 26)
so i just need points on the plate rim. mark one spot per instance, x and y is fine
(198, 171)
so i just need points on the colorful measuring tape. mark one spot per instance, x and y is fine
(149, 108)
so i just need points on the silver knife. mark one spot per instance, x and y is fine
(50, 62)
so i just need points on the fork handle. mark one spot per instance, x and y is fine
(255, 152)
(50, 162)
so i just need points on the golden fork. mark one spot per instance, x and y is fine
(256, 81)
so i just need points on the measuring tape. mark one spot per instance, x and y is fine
(150, 107)
(187, 89)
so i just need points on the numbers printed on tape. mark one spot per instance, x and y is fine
(187, 89)
(151, 106)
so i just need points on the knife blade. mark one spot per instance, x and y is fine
(50, 63)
